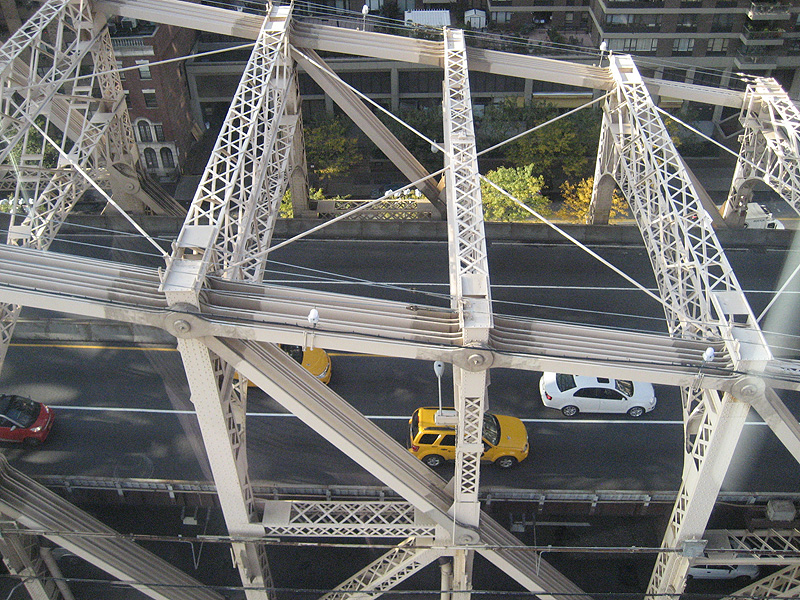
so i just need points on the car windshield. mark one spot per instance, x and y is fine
(565, 382)
(20, 411)
(491, 429)
(624, 386)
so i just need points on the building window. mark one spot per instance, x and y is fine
(127, 99)
(150, 100)
(150, 158)
(643, 21)
(687, 22)
(120, 72)
(502, 17)
(682, 45)
(633, 45)
(145, 134)
(144, 69)
(167, 159)
(723, 21)
(717, 46)
(159, 132)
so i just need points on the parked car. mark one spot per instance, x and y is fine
(573, 394)
(24, 420)
(505, 439)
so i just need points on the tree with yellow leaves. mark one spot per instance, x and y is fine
(578, 196)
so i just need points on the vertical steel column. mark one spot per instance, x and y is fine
(470, 291)
(703, 299)
(226, 231)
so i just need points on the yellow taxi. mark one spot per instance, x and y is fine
(315, 360)
(505, 439)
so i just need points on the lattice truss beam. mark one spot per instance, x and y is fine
(56, 79)
(226, 231)
(781, 584)
(770, 148)
(703, 300)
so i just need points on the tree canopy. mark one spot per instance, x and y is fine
(329, 150)
(519, 182)
(578, 197)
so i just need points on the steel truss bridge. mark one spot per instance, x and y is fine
(65, 127)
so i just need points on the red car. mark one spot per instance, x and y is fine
(23, 420)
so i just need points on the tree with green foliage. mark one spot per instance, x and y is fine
(578, 197)
(427, 121)
(565, 149)
(329, 149)
(286, 210)
(519, 182)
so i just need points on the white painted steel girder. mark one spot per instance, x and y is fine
(46, 89)
(35, 508)
(226, 230)
(770, 148)
(469, 281)
(781, 584)
(219, 226)
(301, 518)
(760, 546)
(268, 313)
(369, 123)
(314, 33)
(386, 572)
(22, 558)
(706, 462)
(703, 299)
(321, 408)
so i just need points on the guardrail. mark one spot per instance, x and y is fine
(204, 494)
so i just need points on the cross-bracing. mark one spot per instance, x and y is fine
(214, 273)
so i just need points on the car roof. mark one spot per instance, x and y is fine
(585, 380)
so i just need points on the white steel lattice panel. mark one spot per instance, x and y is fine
(236, 186)
(770, 148)
(781, 584)
(469, 278)
(361, 519)
(385, 573)
(703, 299)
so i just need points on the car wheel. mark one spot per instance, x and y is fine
(506, 462)
(433, 460)
(32, 442)
(636, 412)
(570, 410)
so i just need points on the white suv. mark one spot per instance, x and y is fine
(579, 393)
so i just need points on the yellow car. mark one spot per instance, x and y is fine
(505, 439)
(315, 360)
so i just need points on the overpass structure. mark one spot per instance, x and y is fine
(65, 127)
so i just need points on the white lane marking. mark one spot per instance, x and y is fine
(161, 411)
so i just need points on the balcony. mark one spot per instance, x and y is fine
(751, 61)
(769, 11)
(760, 36)
(635, 4)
